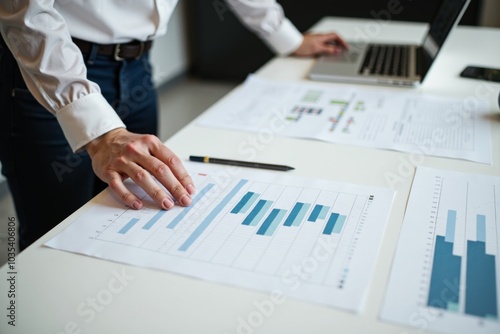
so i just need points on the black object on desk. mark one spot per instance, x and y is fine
(240, 163)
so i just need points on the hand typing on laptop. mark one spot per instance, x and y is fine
(392, 64)
(321, 44)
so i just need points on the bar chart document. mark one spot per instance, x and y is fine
(342, 114)
(446, 276)
(310, 239)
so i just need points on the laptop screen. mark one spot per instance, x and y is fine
(446, 17)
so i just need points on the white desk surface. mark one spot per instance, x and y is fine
(53, 284)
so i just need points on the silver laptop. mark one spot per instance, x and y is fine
(392, 64)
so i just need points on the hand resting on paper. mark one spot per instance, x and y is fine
(120, 154)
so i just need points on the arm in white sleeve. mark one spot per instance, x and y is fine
(267, 20)
(54, 71)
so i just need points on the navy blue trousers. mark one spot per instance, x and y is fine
(47, 180)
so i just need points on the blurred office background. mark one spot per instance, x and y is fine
(207, 52)
(221, 48)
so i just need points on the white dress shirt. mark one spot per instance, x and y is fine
(38, 32)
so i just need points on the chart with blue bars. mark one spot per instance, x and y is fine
(313, 239)
(459, 277)
(480, 298)
(248, 224)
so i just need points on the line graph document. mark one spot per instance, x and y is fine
(402, 121)
(311, 239)
(446, 272)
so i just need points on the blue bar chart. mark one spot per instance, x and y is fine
(153, 220)
(257, 212)
(128, 226)
(297, 214)
(315, 214)
(481, 297)
(448, 254)
(271, 222)
(245, 203)
(255, 231)
(335, 224)
(481, 288)
(211, 216)
(445, 269)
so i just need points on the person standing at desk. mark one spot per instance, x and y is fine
(86, 62)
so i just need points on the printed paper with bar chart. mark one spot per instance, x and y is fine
(311, 239)
(446, 274)
(355, 115)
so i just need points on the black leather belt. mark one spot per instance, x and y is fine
(131, 50)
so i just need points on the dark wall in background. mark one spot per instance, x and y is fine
(222, 48)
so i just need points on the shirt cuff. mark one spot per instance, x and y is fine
(286, 39)
(86, 119)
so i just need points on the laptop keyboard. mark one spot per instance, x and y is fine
(391, 60)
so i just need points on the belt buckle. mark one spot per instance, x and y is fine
(117, 53)
(118, 49)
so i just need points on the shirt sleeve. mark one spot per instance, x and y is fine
(54, 71)
(266, 18)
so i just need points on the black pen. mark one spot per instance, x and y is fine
(239, 163)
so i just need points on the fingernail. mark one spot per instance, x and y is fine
(167, 203)
(185, 200)
(190, 189)
(136, 205)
